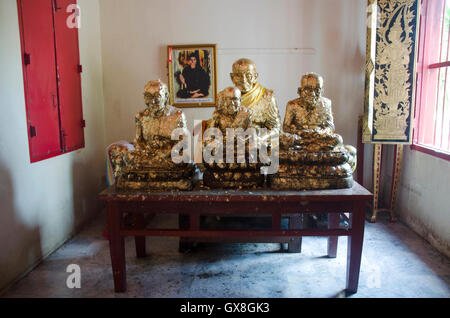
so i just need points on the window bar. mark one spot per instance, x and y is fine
(442, 30)
(444, 97)
(446, 135)
(417, 131)
(447, 85)
(444, 102)
(447, 7)
(448, 109)
(445, 34)
(439, 77)
(438, 65)
(436, 111)
(443, 110)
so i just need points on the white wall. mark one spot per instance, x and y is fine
(423, 200)
(42, 204)
(285, 38)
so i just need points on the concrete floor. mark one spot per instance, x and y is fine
(396, 263)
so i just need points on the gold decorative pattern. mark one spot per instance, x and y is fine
(396, 178)
(394, 71)
(377, 152)
(367, 121)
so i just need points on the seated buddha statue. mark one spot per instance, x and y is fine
(154, 126)
(240, 173)
(312, 155)
(149, 165)
(310, 117)
(259, 100)
(229, 113)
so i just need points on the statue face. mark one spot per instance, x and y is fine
(310, 95)
(156, 96)
(244, 75)
(311, 89)
(154, 100)
(229, 101)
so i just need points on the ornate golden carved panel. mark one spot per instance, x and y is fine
(390, 70)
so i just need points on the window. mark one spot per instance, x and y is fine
(432, 118)
(52, 79)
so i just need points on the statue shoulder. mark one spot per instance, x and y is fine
(175, 116)
(326, 102)
(173, 111)
(293, 104)
(269, 94)
(142, 113)
(271, 100)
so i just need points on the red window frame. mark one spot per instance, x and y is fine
(52, 78)
(430, 65)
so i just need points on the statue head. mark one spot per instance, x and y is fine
(244, 75)
(156, 95)
(229, 100)
(311, 88)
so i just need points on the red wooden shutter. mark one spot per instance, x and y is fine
(69, 78)
(36, 19)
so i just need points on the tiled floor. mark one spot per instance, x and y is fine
(396, 263)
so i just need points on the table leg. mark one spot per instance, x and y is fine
(360, 152)
(184, 223)
(276, 221)
(139, 223)
(116, 247)
(355, 246)
(295, 223)
(194, 222)
(333, 223)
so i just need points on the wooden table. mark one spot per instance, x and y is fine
(276, 204)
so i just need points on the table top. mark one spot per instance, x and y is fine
(357, 193)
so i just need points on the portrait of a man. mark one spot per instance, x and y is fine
(194, 80)
(192, 75)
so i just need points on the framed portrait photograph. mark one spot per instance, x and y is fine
(192, 75)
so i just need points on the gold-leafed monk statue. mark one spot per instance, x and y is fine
(154, 127)
(312, 155)
(259, 100)
(150, 166)
(239, 172)
(229, 113)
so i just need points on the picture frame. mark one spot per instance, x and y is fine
(192, 75)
